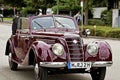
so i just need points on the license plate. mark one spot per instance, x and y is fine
(74, 65)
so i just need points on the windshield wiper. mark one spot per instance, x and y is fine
(39, 24)
(59, 22)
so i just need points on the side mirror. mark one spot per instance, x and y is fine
(87, 31)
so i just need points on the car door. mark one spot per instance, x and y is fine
(22, 39)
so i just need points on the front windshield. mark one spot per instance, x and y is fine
(42, 23)
(64, 22)
(52, 22)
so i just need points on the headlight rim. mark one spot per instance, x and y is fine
(62, 50)
(91, 45)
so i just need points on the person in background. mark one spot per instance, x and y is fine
(78, 17)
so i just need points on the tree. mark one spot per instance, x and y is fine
(99, 3)
(70, 7)
(71, 4)
(1, 1)
(87, 7)
(15, 3)
(42, 4)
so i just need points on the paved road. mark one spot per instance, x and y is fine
(26, 73)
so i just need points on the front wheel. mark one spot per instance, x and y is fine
(41, 73)
(98, 73)
(13, 65)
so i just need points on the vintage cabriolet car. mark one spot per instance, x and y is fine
(53, 44)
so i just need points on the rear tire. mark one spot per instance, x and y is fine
(98, 73)
(13, 66)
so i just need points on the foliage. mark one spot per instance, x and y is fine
(15, 3)
(66, 9)
(96, 22)
(41, 4)
(99, 3)
(67, 6)
(114, 33)
(26, 11)
(104, 31)
(106, 16)
(1, 1)
(8, 12)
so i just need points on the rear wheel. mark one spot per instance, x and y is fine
(98, 73)
(41, 73)
(13, 65)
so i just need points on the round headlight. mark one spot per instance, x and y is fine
(92, 49)
(58, 49)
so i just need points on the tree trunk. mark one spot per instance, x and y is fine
(86, 17)
(86, 12)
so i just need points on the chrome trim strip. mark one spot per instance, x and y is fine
(102, 64)
(53, 64)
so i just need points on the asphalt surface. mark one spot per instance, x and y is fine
(26, 73)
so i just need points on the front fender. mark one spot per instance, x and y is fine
(104, 52)
(9, 47)
(43, 53)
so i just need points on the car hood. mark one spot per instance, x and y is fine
(57, 34)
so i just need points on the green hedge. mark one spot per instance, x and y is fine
(114, 33)
(96, 22)
(103, 31)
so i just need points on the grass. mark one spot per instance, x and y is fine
(7, 19)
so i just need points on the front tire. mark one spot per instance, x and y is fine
(98, 73)
(13, 66)
(41, 73)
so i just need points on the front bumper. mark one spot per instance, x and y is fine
(53, 64)
(102, 64)
(64, 64)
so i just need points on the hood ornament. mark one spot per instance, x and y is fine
(75, 41)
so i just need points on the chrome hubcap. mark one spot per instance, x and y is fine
(10, 55)
(36, 69)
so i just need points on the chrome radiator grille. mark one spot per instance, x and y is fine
(75, 49)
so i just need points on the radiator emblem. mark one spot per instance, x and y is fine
(75, 41)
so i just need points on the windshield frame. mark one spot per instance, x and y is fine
(54, 24)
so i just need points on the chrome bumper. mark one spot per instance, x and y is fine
(53, 64)
(64, 64)
(102, 64)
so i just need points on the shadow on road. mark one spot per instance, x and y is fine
(27, 73)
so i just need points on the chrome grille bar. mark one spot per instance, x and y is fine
(75, 49)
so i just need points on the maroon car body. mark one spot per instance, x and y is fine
(53, 43)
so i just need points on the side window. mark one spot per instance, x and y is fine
(24, 23)
(19, 24)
